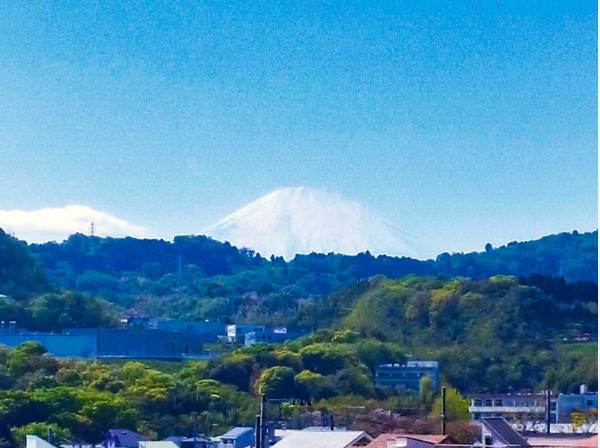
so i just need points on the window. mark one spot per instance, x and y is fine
(487, 440)
(476, 402)
(488, 403)
(590, 402)
(476, 416)
(497, 402)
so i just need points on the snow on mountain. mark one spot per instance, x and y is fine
(300, 220)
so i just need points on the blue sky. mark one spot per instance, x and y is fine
(462, 122)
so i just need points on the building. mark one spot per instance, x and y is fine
(121, 438)
(237, 332)
(213, 330)
(157, 444)
(62, 344)
(323, 439)
(567, 404)
(239, 437)
(388, 440)
(523, 407)
(407, 376)
(497, 432)
(563, 441)
(180, 442)
(271, 336)
(100, 343)
(36, 442)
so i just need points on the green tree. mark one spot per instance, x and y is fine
(47, 431)
(426, 392)
(457, 406)
(235, 369)
(29, 357)
(276, 382)
(311, 385)
(327, 358)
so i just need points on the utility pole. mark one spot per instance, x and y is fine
(263, 423)
(548, 411)
(257, 438)
(443, 410)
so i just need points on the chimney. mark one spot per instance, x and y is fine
(583, 389)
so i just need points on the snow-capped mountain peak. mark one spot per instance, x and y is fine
(300, 220)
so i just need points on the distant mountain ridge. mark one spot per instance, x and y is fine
(300, 220)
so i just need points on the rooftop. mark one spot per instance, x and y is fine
(236, 432)
(503, 431)
(384, 440)
(563, 441)
(320, 439)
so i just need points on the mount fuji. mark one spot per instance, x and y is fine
(300, 220)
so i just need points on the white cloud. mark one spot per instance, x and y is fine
(47, 224)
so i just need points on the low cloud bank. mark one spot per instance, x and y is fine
(57, 223)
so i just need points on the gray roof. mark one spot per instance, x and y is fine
(504, 431)
(236, 432)
(318, 439)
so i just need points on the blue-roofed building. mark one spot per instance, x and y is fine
(210, 330)
(567, 404)
(190, 442)
(121, 438)
(98, 343)
(238, 437)
(407, 376)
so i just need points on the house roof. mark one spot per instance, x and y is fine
(234, 433)
(318, 439)
(158, 444)
(504, 431)
(383, 440)
(124, 437)
(566, 440)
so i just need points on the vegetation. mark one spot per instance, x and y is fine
(78, 400)
(195, 277)
(488, 330)
(20, 274)
(57, 310)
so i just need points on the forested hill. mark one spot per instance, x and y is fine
(573, 256)
(167, 278)
(569, 255)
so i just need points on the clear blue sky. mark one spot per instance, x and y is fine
(463, 122)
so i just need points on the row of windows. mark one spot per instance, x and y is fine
(477, 415)
(401, 374)
(500, 402)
